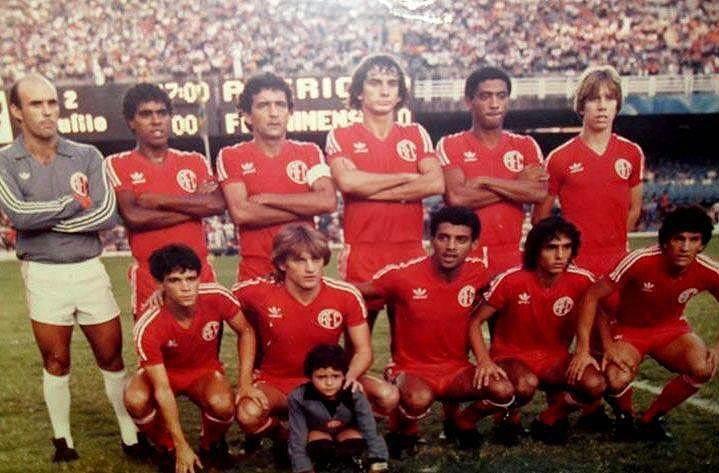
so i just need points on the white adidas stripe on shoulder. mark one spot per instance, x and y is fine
(139, 330)
(557, 150)
(631, 259)
(345, 286)
(584, 272)
(399, 265)
(332, 146)
(215, 288)
(250, 282)
(476, 260)
(498, 279)
(195, 154)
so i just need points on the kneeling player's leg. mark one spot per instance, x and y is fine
(494, 397)
(619, 391)
(687, 356)
(139, 400)
(106, 342)
(54, 344)
(416, 398)
(213, 393)
(255, 419)
(382, 395)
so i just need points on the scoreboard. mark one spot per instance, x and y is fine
(94, 113)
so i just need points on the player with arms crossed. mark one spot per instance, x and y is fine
(271, 180)
(162, 193)
(384, 170)
(654, 285)
(294, 310)
(532, 311)
(178, 346)
(493, 171)
(56, 195)
(433, 297)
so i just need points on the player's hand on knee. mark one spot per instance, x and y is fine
(254, 393)
(578, 364)
(619, 354)
(353, 384)
(153, 302)
(486, 372)
(186, 459)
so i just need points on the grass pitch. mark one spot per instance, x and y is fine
(25, 428)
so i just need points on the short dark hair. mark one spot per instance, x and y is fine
(326, 355)
(484, 74)
(383, 61)
(142, 93)
(545, 231)
(260, 82)
(688, 218)
(456, 216)
(170, 258)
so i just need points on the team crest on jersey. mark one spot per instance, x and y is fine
(563, 306)
(297, 172)
(137, 177)
(329, 319)
(407, 150)
(187, 180)
(79, 184)
(360, 147)
(513, 160)
(465, 296)
(687, 294)
(623, 168)
(210, 330)
(469, 156)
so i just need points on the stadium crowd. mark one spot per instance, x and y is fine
(125, 40)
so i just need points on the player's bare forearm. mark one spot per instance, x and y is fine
(516, 190)
(430, 182)
(195, 205)
(474, 198)
(543, 209)
(362, 358)
(251, 215)
(144, 219)
(588, 311)
(307, 204)
(476, 339)
(353, 181)
(246, 349)
(635, 206)
(166, 402)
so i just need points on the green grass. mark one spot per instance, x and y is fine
(25, 429)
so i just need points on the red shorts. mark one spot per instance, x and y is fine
(181, 380)
(545, 364)
(648, 339)
(251, 267)
(360, 262)
(143, 285)
(498, 259)
(438, 378)
(284, 384)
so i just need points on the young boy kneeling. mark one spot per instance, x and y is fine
(327, 422)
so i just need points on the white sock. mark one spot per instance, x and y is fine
(114, 387)
(56, 390)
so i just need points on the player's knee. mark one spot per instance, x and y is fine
(417, 401)
(618, 380)
(110, 361)
(525, 388)
(386, 397)
(700, 372)
(501, 391)
(220, 405)
(250, 414)
(593, 386)
(57, 364)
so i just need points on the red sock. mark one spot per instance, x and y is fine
(213, 429)
(591, 408)
(468, 417)
(154, 429)
(559, 408)
(623, 402)
(450, 409)
(400, 424)
(677, 390)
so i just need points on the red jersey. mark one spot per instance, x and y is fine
(501, 222)
(594, 190)
(293, 171)
(287, 329)
(431, 323)
(179, 174)
(159, 338)
(533, 317)
(367, 221)
(649, 295)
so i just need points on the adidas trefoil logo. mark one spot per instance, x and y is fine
(274, 312)
(470, 156)
(575, 168)
(24, 176)
(648, 287)
(524, 298)
(360, 147)
(248, 168)
(137, 177)
(419, 293)
(171, 344)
